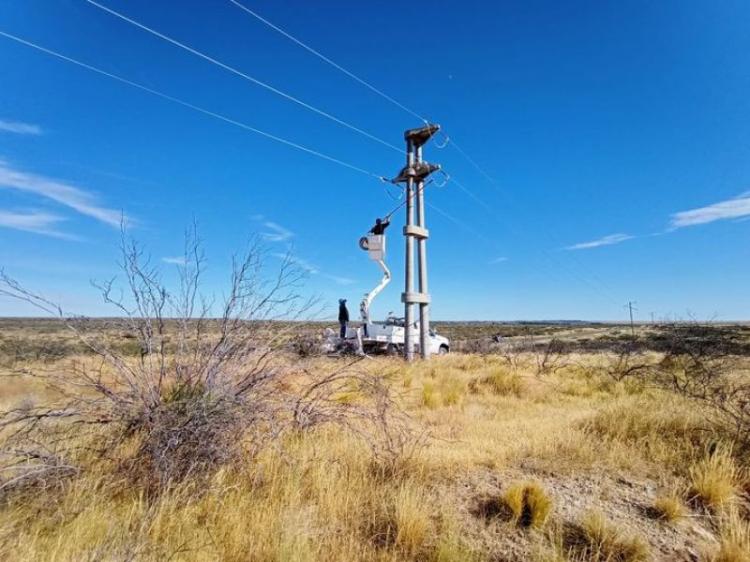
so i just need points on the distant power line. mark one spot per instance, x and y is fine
(189, 105)
(245, 76)
(324, 58)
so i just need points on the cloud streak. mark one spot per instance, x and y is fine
(498, 260)
(604, 241)
(313, 269)
(277, 232)
(736, 208)
(20, 128)
(38, 222)
(174, 260)
(65, 194)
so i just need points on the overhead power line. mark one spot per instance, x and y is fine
(324, 58)
(245, 76)
(189, 105)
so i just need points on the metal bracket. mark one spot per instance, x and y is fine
(419, 136)
(416, 231)
(417, 172)
(415, 298)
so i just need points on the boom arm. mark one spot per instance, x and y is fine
(364, 306)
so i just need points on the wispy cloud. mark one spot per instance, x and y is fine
(736, 208)
(339, 280)
(60, 192)
(20, 128)
(39, 222)
(177, 260)
(275, 232)
(500, 259)
(313, 269)
(605, 241)
(299, 262)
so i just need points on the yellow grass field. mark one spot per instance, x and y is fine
(511, 465)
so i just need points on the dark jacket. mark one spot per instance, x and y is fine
(343, 313)
(379, 228)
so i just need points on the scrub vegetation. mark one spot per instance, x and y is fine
(166, 434)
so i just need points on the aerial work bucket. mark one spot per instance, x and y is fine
(375, 246)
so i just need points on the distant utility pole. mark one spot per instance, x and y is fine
(413, 175)
(630, 307)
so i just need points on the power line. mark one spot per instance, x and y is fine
(594, 282)
(549, 257)
(245, 76)
(398, 104)
(328, 60)
(193, 107)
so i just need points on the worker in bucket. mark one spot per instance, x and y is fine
(380, 226)
(343, 317)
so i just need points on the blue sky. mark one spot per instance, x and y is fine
(612, 141)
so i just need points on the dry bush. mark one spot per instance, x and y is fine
(205, 391)
(714, 480)
(597, 540)
(306, 346)
(660, 427)
(734, 540)
(695, 364)
(529, 503)
(668, 508)
(550, 357)
(504, 383)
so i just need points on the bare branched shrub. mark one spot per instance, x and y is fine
(306, 345)
(701, 371)
(629, 362)
(203, 389)
(695, 363)
(550, 357)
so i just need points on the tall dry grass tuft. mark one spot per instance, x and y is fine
(668, 508)
(594, 539)
(504, 383)
(529, 504)
(714, 479)
(734, 540)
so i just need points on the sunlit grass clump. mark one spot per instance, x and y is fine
(529, 504)
(713, 480)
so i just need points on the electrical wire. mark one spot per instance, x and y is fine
(245, 76)
(324, 58)
(189, 105)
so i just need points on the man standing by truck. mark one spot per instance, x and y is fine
(343, 318)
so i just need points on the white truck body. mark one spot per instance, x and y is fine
(387, 336)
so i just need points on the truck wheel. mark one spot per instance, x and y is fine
(391, 350)
(443, 350)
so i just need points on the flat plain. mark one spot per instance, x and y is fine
(556, 441)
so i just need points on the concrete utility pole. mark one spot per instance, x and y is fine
(413, 175)
(629, 306)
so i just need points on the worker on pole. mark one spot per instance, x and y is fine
(380, 226)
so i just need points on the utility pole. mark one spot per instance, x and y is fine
(629, 306)
(413, 175)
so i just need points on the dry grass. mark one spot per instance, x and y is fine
(319, 495)
(669, 508)
(529, 503)
(714, 480)
(595, 539)
(734, 540)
